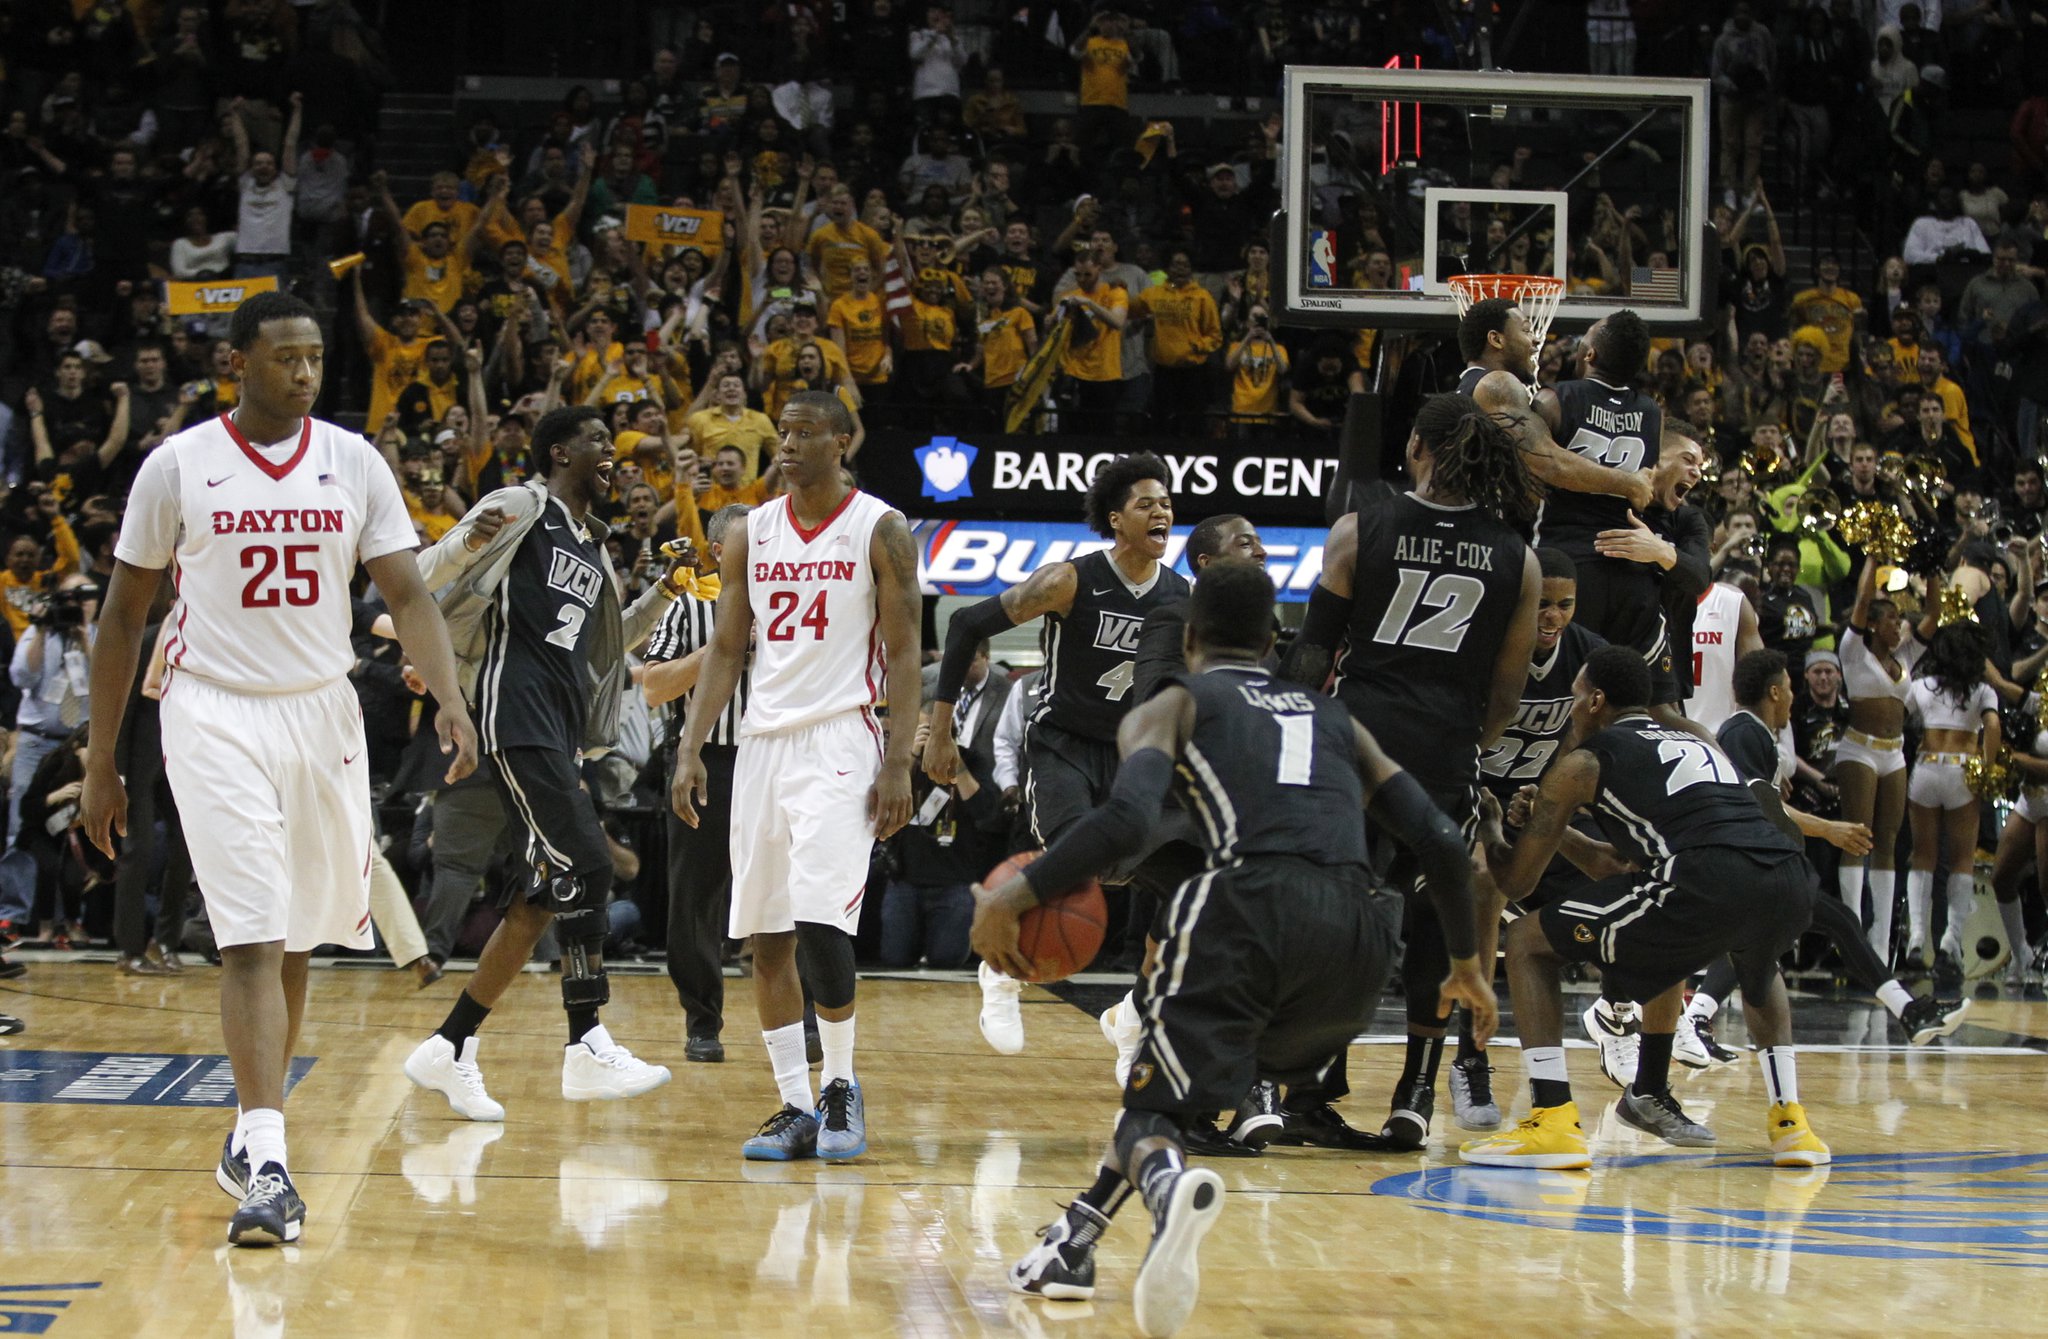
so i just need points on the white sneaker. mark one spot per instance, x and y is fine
(1617, 1029)
(1002, 1022)
(1121, 1025)
(598, 1068)
(1687, 1048)
(434, 1065)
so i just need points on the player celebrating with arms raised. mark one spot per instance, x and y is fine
(266, 511)
(829, 576)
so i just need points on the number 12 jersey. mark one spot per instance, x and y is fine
(1433, 594)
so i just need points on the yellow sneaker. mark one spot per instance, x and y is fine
(1793, 1142)
(1549, 1138)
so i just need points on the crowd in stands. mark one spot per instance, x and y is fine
(894, 226)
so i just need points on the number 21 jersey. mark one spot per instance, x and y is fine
(266, 539)
(817, 642)
(1433, 594)
(1664, 792)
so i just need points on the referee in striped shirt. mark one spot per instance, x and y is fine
(699, 858)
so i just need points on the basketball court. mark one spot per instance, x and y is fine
(639, 1218)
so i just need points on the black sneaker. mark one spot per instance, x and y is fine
(1320, 1126)
(1058, 1267)
(1258, 1116)
(1927, 1018)
(1704, 1030)
(1407, 1127)
(10, 970)
(1948, 973)
(9, 1025)
(1201, 1139)
(704, 1050)
(233, 1173)
(272, 1212)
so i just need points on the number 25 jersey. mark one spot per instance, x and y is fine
(817, 640)
(1432, 596)
(267, 539)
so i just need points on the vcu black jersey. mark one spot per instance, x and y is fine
(1433, 594)
(534, 685)
(1271, 770)
(1469, 379)
(1091, 652)
(1608, 425)
(1525, 748)
(1666, 792)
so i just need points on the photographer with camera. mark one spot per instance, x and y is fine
(53, 669)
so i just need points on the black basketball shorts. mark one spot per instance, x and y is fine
(544, 795)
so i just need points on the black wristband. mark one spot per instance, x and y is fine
(969, 629)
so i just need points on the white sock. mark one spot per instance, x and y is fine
(1919, 904)
(2015, 931)
(1962, 900)
(1883, 891)
(264, 1129)
(1894, 997)
(1781, 1074)
(837, 1040)
(792, 1070)
(241, 1139)
(1545, 1062)
(597, 1039)
(1702, 1006)
(1128, 1019)
(1849, 884)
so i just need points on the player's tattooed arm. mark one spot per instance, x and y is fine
(1537, 425)
(1329, 609)
(732, 631)
(1570, 784)
(897, 606)
(1049, 590)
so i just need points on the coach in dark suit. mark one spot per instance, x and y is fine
(982, 696)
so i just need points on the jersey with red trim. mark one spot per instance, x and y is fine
(1714, 631)
(817, 637)
(266, 540)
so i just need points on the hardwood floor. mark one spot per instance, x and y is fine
(640, 1218)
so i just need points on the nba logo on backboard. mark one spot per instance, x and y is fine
(1322, 259)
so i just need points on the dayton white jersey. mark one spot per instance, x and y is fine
(1714, 630)
(817, 642)
(266, 540)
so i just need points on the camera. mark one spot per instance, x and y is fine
(63, 611)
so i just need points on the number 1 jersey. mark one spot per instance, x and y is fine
(817, 640)
(266, 539)
(1433, 594)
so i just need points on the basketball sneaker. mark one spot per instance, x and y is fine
(271, 1212)
(1793, 1142)
(599, 1069)
(1184, 1208)
(1617, 1029)
(842, 1121)
(233, 1173)
(1258, 1116)
(1407, 1127)
(1472, 1104)
(1693, 1044)
(1549, 1138)
(1121, 1027)
(1660, 1114)
(435, 1065)
(1927, 1018)
(1002, 1022)
(786, 1136)
(1061, 1267)
(1320, 1126)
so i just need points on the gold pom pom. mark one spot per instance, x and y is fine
(1956, 606)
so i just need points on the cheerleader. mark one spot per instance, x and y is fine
(1958, 714)
(2024, 838)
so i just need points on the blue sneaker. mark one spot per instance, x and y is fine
(233, 1173)
(842, 1120)
(787, 1135)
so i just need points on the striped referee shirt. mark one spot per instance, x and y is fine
(683, 629)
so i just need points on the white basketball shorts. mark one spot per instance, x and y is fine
(274, 794)
(800, 831)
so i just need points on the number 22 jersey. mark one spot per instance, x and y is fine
(1608, 425)
(266, 539)
(1432, 596)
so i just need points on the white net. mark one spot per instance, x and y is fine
(1536, 294)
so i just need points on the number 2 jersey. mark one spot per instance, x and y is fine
(267, 539)
(1519, 757)
(533, 687)
(1091, 651)
(817, 638)
(1433, 594)
(1613, 426)
(1664, 792)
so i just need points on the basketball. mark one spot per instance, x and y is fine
(1061, 936)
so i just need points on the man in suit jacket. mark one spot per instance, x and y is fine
(981, 704)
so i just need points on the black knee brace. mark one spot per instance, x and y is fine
(584, 983)
(825, 959)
